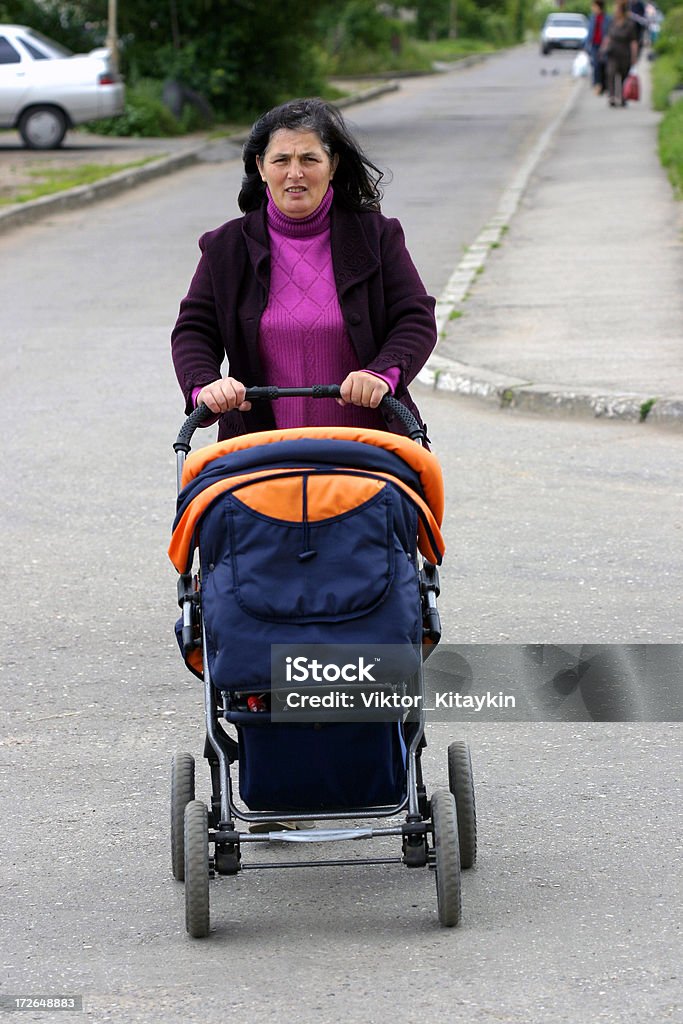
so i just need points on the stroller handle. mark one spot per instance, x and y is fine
(271, 393)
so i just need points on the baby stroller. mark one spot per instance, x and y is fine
(307, 544)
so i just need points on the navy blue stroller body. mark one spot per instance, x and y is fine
(307, 612)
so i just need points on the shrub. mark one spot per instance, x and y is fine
(671, 38)
(666, 75)
(671, 145)
(358, 39)
(145, 115)
(242, 60)
(667, 70)
(63, 22)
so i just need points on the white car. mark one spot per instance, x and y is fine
(564, 32)
(45, 89)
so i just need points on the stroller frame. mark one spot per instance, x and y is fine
(194, 828)
(223, 802)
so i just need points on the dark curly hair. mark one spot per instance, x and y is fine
(356, 178)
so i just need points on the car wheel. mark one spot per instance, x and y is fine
(545, 50)
(42, 127)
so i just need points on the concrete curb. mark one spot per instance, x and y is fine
(27, 213)
(549, 399)
(368, 94)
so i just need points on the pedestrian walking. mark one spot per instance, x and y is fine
(597, 30)
(311, 285)
(639, 19)
(620, 48)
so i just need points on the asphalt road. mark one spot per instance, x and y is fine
(557, 532)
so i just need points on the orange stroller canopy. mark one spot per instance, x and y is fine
(332, 495)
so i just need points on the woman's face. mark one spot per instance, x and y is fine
(297, 171)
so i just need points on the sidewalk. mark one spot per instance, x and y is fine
(572, 298)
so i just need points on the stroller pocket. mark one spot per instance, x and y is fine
(321, 768)
(317, 567)
(327, 559)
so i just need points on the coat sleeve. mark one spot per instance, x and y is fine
(410, 327)
(197, 347)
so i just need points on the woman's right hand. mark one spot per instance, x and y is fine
(224, 395)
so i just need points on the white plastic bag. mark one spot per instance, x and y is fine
(581, 65)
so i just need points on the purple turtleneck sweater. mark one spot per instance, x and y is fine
(303, 338)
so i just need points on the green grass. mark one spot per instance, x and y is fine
(416, 55)
(363, 61)
(57, 179)
(671, 146)
(451, 49)
(224, 131)
(332, 92)
(146, 116)
(666, 75)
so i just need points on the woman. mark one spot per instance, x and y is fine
(312, 285)
(620, 47)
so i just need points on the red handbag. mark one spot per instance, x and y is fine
(631, 89)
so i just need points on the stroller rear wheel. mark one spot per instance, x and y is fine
(197, 869)
(447, 857)
(461, 785)
(182, 792)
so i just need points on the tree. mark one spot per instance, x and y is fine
(241, 59)
(492, 20)
(69, 23)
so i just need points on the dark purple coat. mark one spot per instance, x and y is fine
(388, 314)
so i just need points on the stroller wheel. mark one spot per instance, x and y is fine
(197, 869)
(182, 791)
(461, 785)
(447, 851)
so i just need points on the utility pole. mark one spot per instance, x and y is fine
(112, 40)
(453, 19)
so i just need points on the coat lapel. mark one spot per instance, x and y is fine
(354, 260)
(256, 240)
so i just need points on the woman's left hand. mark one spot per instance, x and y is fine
(361, 388)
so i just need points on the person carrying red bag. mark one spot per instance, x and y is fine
(620, 47)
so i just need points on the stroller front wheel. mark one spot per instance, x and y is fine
(461, 785)
(182, 792)
(197, 869)
(447, 857)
